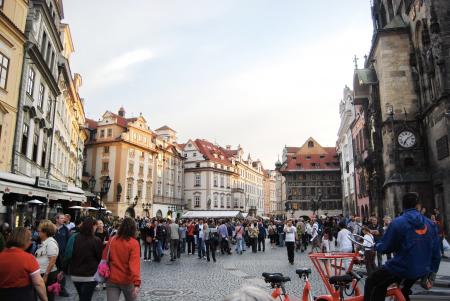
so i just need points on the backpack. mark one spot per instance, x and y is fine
(69, 249)
(214, 237)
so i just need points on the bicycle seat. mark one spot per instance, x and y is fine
(303, 271)
(343, 279)
(276, 278)
(265, 275)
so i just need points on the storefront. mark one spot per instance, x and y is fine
(26, 200)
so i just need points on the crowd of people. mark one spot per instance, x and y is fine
(37, 259)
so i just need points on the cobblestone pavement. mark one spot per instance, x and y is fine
(190, 278)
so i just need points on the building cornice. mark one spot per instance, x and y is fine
(13, 28)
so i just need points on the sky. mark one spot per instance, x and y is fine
(259, 73)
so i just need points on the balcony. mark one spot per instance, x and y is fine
(237, 190)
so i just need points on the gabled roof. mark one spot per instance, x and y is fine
(121, 121)
(165, 128)
(208, 150)
(311, 156)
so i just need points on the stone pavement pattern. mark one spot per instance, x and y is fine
(190, 278)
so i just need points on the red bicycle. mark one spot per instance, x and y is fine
(277, 281)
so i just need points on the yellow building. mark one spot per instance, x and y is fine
(13, 16)
(68, 142)
(124, 150)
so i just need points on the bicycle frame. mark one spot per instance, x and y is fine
(280, 291)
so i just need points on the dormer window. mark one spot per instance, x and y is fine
(310, 144)
(308, 157)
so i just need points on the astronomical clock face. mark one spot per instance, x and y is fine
(406, 139)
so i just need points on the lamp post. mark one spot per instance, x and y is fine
(315, 204)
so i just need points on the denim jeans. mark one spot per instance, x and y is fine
(85, 290)
(159, 249)
(183, 245)
(240, 245)
(201, 251)
(147, 250)
(280, 239)
(113, 291)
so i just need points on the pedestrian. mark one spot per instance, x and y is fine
(212, 239)
(62, 237)
(200, 240)
(182, 232)
(253, 233)
(377, 231)
(190, 238)
(86, 255)
(414, 241)
(344, 244)
(271, 230)
(101, 232)
(174, 240)
(47, 254)
(290, 232)
(280, 232)
(124, 263)
(239, 236)
(368, 248)
(67, 221)
(223, 233)
(328, 242)
(262, 235)
(148, 235)
(21, 278)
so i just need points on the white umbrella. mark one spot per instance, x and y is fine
(90, 208)
(76, 207)
(108, 211)
(36, 202)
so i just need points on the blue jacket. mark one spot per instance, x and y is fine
(415, 241)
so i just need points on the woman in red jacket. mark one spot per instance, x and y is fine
(124, 263)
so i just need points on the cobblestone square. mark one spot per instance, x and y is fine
(190, 278)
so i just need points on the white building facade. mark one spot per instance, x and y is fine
(345, 152)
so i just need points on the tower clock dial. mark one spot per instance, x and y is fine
(406, 139)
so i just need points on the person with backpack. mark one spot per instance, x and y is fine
(160, 235)
(212, 239)
(86, 255)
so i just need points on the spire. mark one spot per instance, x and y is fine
(122, 112)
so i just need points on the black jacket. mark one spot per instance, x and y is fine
(87, 253)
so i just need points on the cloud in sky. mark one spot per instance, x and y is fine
(120, 68)
(259, 73)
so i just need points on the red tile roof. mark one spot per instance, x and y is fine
(91, 124)
(122, 121)
(207, 149)
(307, 158)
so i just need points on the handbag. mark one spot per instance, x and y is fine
(103, 270)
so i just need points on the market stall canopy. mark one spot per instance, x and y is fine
(76, 207)
(35, 202)
(212, 214)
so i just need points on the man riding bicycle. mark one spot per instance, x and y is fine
(415, 242)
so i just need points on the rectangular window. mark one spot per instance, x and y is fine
(197, 201)
(106, 149)
(43, 43)
(40, 101)
(35, 147)
(4, 67)
(442, 148)
(49, 50)
(141, 170)
(44, 154)
(23, 148)
(30, 81)
(130, 167)
(49, 109)
(102, 133)
(197, 180)
(215, 180)
(105, 166)
(109, 132)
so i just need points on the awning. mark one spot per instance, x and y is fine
(213, 214)
(12, 183)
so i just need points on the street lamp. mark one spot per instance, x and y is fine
(92, 183)
(106, 185)
(315, 205)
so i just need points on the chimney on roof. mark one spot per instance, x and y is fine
(122, 112)
(228, 147)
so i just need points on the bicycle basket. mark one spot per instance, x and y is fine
(332, 264)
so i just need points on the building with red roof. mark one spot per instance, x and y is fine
(312, 174)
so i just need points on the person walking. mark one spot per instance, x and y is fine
(124, 263)
(212, 238)
(369, 253)
(21, 275)
(174, 240)
(62, 237)
(280, 232)
(200, 240)
(290, 232)
(239, 236)
(262, 235)
(86, 255)
(377, 231)
(190, 238)
(271, 230)
(148, 233)
(223, 233)
(253, 232)
(182, 232)
(47, 254)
